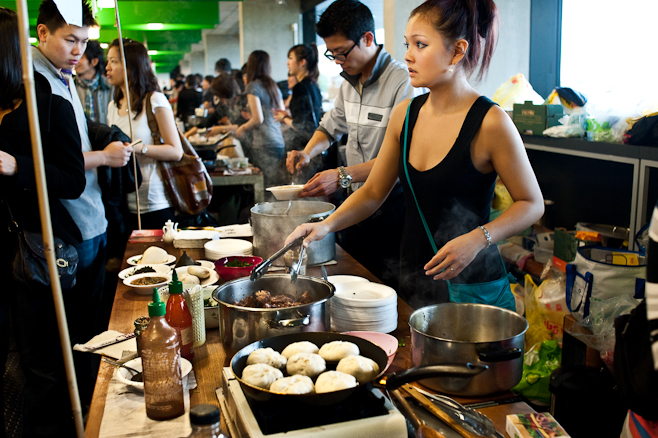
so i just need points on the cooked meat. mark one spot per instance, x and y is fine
(262, 296)
(282, 299)
(262, 299)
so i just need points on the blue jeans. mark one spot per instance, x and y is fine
(47, 408)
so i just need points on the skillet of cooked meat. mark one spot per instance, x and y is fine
(262, 299)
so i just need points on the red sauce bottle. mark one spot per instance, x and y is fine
(179, 317)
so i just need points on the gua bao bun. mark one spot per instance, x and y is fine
(307, 364)
(334, 381)
(299, 347)
(267, 356)
(336, 350)
(153, 255)
(362, 368)
(197, 271)
(261, 375)
(296, 384)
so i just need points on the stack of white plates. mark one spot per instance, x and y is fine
(216, 249)
(363, 306)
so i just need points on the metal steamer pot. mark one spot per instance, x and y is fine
(240, 326)
(469, 333)
(366, 349)
(271, 226)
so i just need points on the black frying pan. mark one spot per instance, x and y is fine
(367, 348)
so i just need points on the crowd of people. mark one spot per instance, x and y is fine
(397, 170)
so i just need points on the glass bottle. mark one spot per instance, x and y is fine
(205, 422)
(180, 317)
(159, 348)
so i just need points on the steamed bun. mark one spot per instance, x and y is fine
(189, 279)
(334, 381)
(267, 356)
(336, 350)
(362, 368)
(261, 375)
(296, 384)
(307, 364)
(153, 255)
(300, 347)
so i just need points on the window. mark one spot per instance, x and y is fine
(609, 52)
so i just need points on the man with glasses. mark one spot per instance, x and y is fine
(374, 84)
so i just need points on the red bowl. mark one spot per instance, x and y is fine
(228, 273)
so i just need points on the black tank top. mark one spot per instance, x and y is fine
(455, 198)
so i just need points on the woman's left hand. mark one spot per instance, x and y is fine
(456, 255)
(280, 115)
(7, 164)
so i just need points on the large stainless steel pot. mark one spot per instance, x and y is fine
(240, 326)
(469, 333)
(271, 227)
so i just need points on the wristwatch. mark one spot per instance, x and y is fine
(344, 178)
(144, 149)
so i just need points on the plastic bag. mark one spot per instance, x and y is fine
(545, 307)
(600, 322)
(516, 89)
(538, 364)
(571, 125)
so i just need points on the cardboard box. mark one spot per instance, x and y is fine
(539, 425)
(535, 119)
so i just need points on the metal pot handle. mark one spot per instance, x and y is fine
(468, 370)
(289, 323)
(500, 355)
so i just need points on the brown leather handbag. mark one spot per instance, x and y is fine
(187, 181)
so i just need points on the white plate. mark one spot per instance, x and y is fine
(128, 272)
(343, 279)
(146, 289)
(124, 374)
(133, 261)
(286, 193)
(373, 293)
(207, 264)
(214, 276)
(228, 245)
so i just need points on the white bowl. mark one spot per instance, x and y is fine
(159, 269)
(146, 289)
(211, 313)
(124, 374)
(286, 193)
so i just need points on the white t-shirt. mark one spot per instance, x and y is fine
(152, 194)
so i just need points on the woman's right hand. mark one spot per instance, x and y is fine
(310, 232)
(7, 164)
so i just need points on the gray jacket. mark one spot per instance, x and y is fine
(364, 117)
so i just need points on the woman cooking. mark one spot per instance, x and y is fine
(456, 143)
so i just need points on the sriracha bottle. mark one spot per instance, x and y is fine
(179, 317)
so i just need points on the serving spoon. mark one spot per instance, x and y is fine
(292, 183)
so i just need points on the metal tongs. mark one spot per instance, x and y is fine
(262, 268)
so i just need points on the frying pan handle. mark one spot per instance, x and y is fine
(288, 323)
(500, 355)
(396, 380)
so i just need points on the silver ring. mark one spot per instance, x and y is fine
(452, 269)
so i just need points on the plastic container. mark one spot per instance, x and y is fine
(159, 348)
(195, 303)
(180, 317)
(542, 254)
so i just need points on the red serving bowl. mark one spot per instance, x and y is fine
(228, 273)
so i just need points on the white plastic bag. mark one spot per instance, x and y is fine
(516, 89)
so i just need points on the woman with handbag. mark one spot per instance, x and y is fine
(264, 98)
(306, 102)
(29, 299)
(154, 202)
(447, 147)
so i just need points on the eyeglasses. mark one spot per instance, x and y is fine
(339, 56)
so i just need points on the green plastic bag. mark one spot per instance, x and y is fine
(537, 369)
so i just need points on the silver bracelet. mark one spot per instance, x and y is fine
(486, 235)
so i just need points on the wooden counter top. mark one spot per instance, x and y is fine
(210, 358)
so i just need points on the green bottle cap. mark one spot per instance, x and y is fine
(157, 307)
(175, 287)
